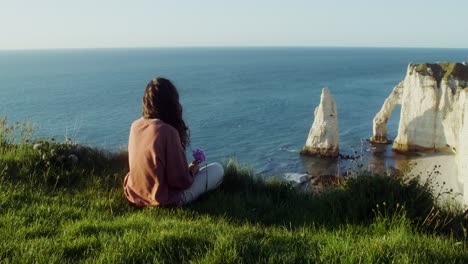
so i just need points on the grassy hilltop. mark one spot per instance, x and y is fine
(61, 202)
(443, 70)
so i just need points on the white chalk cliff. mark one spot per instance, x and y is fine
(434, 112)
(323, 136)
(462, 154)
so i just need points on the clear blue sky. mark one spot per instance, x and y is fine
(38, 24)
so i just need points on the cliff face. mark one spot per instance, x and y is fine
(432, 98)
(462, 155)
(434, 113)
(323, 136)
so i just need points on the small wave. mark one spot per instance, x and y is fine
(287, 149)
(295, 177)
(292, 150)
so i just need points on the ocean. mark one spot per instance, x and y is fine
(252, 104)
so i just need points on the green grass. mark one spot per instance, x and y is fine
(61, 211)
(443, 70)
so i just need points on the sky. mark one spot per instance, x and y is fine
(52, 24)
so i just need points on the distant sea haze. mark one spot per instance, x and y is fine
(254, 104)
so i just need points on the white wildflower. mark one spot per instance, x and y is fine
(37, 146)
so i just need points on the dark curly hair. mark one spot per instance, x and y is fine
(161, 101)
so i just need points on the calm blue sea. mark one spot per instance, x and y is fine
(255, 104)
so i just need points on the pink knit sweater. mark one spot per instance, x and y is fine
(158, 166)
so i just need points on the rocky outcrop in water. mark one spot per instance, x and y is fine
(323, 136)
(434, 113)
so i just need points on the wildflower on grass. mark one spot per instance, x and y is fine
(37, 146)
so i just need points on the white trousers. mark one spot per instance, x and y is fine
(208, 178)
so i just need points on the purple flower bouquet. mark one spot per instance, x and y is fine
(199, 155)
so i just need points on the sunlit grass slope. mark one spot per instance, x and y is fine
(61, 202)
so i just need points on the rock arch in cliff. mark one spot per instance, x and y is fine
(431, 98)
(381, 118)
(434, 113)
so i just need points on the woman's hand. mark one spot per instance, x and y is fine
(193, 168)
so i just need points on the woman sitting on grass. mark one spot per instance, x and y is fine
(159, 174)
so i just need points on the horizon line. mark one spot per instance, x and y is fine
(221, 47)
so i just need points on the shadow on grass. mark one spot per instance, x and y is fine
(243, 197)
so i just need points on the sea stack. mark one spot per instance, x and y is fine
(432, 99)
(323, 136)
